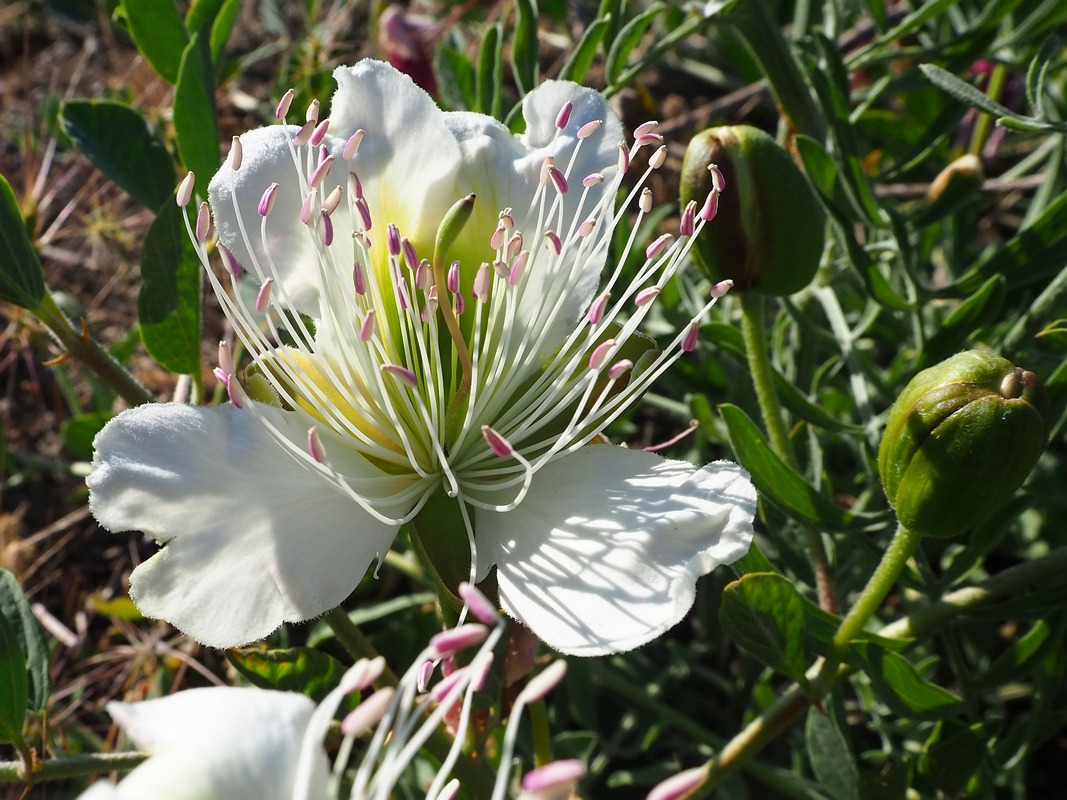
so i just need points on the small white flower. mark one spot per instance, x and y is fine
(431, 320)
(203, 744)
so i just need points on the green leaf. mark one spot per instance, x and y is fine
(221, 29)
(296, 669)
(981, 308)
(629, 37)
(952, 756)
(195, 126)
(16, 610)
(764, 614)
(21, 275)
(581, 57)
(1021, 657)
(119, 141)
(1038, 71)
(777, 481)
(900, 686)
(1033, 255)
(490, 73)
(524, 47)
(79, 432)
(455, 77)
(158, 31)
(14, 685)
(964, 92)
(818, 164)
(169, 303)
(831, 757)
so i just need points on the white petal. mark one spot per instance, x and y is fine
(408, 160)
(604, 552)
(218, 742)
(598, 153)
(290, 244)
(254, 536)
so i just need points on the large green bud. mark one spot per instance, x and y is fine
(768, 234)
(960, 440)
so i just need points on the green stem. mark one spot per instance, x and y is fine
(757, 350)
(983, 125)
(781, 715)
(900, 549)
(83, 347)
(755, 21)
(355, 643)
(69, 766)
(542, 735)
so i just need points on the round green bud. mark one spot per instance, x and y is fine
(960, 439)
(768, 234)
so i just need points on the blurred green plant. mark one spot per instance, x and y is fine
(928, 140)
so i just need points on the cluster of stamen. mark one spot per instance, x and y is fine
(404, 717)
(478, 419)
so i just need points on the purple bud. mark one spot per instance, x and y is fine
(203, 222)
(589, 128)
(263, 298)
(321, 171)
(687, 226)
(366, 328)
(543, 683)
(358, 280)
(554, 242)
(366, 715)
(645, 127)
(710, 207)
(236, 153)
(319, 133)
(478, 604)
(303, 136)
(597, 308)
(601, 353)
(315, 445)
(646, 296)
(592, 180)
(284, 103)
(518, 268)
(226, 359)
(681, 785)
(455, 639)
(402, 374)
(230, 260)
(185, 190)
(689, 341)
(352, 145)
(327, 228)
(564, 115)
(266, 202)
(364, 213)
(620, 368)
(481, 283)
(658, 246)
(552, 775)
(452, 282)
(497, 443)
(355, 187)
(559, 180)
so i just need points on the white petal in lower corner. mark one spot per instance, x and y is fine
(219, 742)
(603, 554)
(254, 535)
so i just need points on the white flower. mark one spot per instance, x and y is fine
(221, 742)
(428, 323)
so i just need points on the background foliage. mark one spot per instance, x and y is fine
(962, 695)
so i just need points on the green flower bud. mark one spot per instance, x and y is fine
(768, 234)
(960, 439)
